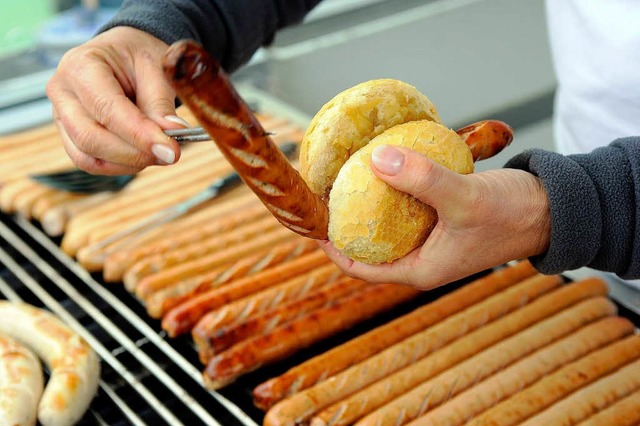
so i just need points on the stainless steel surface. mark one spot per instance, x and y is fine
(626, 294)
(475, 59)
(23, 102)
(471, 57)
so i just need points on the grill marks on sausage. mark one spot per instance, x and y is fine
(505, 372)
(240, 137)
(360, 348)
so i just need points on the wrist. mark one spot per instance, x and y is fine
(516, 210)
(540, 221)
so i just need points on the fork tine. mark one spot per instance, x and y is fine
(189, 134)
(193, 138)
(185, 131)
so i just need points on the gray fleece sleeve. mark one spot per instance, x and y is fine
(231, 30)
(595, 207)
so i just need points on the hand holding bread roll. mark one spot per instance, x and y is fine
(484, 219)
(369, 221)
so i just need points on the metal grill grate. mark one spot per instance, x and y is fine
(145, 379)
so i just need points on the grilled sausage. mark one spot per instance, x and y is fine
(362, 347)
(509, 348)
(54, 221)
(560, 383)
(264, 322)
(21, 384)
(217, 245)
(193, 268)
(168, 301)
(625, 412)
(74, 366)
(258, 303)
(244, 210)
(301, 406)
(203, 86)
(589, 400)
(486, 138)
(305, 404)
(300, 333)
(461, 408)
(131, 205)
(183, 317)
(59, 198)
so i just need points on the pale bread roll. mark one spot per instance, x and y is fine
(368, 220)
(372, 222)
(350, 120)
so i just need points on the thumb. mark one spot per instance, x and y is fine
(411, 172)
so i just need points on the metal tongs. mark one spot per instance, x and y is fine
(218, 187)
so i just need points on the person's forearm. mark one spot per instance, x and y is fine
(231, 30)
(595, 207)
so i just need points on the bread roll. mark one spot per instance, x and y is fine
(368, 220)
(350, 120)
(372, 222)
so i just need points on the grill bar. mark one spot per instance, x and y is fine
(8, 292)
(133, 417)
(134, 319)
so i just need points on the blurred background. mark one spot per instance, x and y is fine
(475, 59)
(68, 251)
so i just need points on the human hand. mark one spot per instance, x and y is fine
(484, 220)
(111, 103)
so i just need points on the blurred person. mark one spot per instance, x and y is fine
(595, 47)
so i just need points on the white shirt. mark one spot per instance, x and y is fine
(596, 50)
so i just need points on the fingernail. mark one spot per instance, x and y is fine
(387, 159)
(163, 153)
(176, 119)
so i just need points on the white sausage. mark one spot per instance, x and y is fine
(74, 366)
(21, 384)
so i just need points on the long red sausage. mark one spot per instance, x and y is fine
(204, 87)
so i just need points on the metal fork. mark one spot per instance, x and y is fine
(82, 182)
(190, 134)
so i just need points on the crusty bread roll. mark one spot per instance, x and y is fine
(370, 221)
(350, 120)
